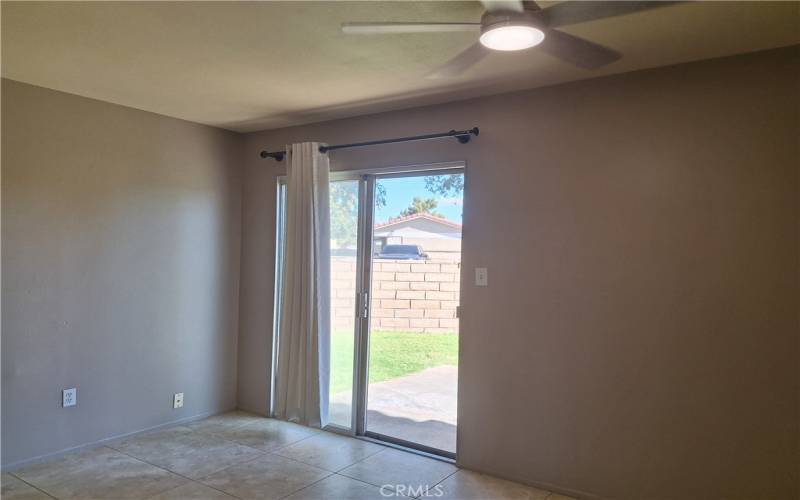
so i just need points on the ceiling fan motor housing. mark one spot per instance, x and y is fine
(492, 20)
(510, 31)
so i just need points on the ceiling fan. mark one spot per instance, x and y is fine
(510, 25)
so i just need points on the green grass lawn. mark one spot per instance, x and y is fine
(392, 355)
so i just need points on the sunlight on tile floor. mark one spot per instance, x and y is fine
(241, 455)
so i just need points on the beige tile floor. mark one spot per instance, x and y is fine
(240, 455)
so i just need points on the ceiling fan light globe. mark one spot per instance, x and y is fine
(511, 37)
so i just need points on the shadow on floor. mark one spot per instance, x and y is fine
(431, 433)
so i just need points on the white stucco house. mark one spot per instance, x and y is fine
(440, 238)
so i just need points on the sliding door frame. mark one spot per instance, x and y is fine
(359, 311)
(363, 307)
(280, 232)
(366, 213)
(365, 261)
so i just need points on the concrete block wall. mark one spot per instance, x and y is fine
(409, 296)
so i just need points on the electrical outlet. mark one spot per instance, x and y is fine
(69, 397)
(177, 400)
(481, 276)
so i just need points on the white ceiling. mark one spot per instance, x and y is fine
(254, 65)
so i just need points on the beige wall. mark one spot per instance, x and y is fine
(120, 258)
(648, 347)
(656, 272)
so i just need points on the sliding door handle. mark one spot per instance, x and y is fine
(362, 311)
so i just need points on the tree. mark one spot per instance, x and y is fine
(420, 206)
(344, 204)
(344, 211)
(380, 195)
(445, 185)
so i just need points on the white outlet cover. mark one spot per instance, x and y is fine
(177, 400)
(69, 397)
(481, 276)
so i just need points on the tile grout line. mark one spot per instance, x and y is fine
(331, 473)
(215, 436)
(275, 452)
(387, 448)
(261, 454)
(367, 483)
(449, 476)
(181, 475)
(359, 461)
(315, 466)
(312, 434)
(308, 485)
(272, 452)
(31, 485)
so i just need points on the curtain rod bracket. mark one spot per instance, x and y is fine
(463, 137)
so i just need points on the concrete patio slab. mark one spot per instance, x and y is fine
(420, 407)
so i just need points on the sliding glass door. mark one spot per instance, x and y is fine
(345, 204)
(413, 328)
(395, 267)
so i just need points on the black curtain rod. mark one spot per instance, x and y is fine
(463, 137)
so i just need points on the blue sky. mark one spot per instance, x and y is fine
(401, 191)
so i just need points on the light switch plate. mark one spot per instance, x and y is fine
(177, 400)
(69, 397)
(481, 276)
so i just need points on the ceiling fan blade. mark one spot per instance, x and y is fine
(577, 51)
(573, 12)
(530, 5)
(460, 63)
(502, 5)
(390, 28)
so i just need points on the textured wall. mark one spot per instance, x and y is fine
(639, 334)
(120, 259)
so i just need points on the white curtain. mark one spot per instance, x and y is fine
(302, 374)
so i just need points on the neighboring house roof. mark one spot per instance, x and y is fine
(410, 232)
(422, 216)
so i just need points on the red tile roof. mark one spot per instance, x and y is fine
(441, 220)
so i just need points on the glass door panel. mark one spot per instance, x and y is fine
(413, 338)
(344, 210)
